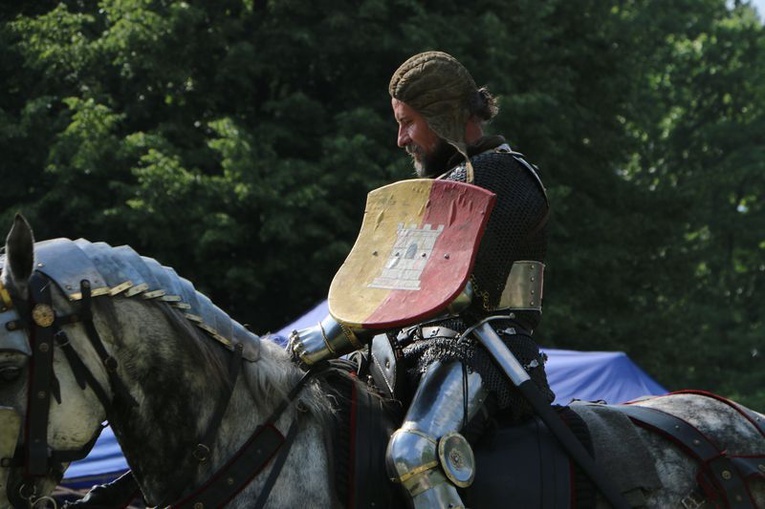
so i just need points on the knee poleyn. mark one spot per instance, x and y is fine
(418, 460)
(410, 453)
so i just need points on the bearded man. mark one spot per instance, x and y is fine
(441, 115)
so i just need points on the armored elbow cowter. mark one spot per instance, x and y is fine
(327, 340)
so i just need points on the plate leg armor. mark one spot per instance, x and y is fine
(426, 455)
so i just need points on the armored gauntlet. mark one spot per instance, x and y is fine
(326, 340)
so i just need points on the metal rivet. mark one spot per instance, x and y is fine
(44, 347)
(696, 442)
(199, 505)
(374, 253)
(726, 475)
(43, 315)
(230, 481)
(446, 256)
(41, 395)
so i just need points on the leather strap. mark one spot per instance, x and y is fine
(41, 377)
(726, 479)
(237, 473)
(201, 452)
(234, 367)
(249, 460)
(276, 468)
(82, 374)
(109, 362)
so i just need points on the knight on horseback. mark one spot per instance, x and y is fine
(440, 114)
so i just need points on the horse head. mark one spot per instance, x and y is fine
(33, 380)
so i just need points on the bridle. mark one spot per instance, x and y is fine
(44, 330)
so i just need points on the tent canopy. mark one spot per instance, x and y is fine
(608, 376)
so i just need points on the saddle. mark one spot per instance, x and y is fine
(524, 459)
(541, 479)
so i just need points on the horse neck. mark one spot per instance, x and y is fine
(174, 378)
(178, 381)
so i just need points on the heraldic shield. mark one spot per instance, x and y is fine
(414, 253)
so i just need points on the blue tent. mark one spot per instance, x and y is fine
(609, 376)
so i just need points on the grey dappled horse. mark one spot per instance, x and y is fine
(131, 342)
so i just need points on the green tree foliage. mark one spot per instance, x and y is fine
(237, 141)
(701, 133)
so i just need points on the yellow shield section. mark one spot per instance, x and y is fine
(413, 255)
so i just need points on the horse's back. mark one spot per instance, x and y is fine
(687, 435)
(524, 463)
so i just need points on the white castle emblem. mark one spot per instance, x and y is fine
(408, 258)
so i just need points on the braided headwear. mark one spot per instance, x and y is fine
(437, 86)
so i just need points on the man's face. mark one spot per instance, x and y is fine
(429, 152)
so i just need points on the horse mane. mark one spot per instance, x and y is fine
(271, 377)
(205, 351)
(209, 333)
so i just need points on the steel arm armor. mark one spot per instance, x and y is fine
(329, 339)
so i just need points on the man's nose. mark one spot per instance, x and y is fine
(403, 137)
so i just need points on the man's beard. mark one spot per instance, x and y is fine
(433, 164)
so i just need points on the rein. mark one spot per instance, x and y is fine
(250, 460)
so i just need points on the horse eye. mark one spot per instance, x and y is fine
(9, 373)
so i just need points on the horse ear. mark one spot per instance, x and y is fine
(19, 249)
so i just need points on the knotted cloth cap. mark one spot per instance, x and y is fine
(437, 86)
